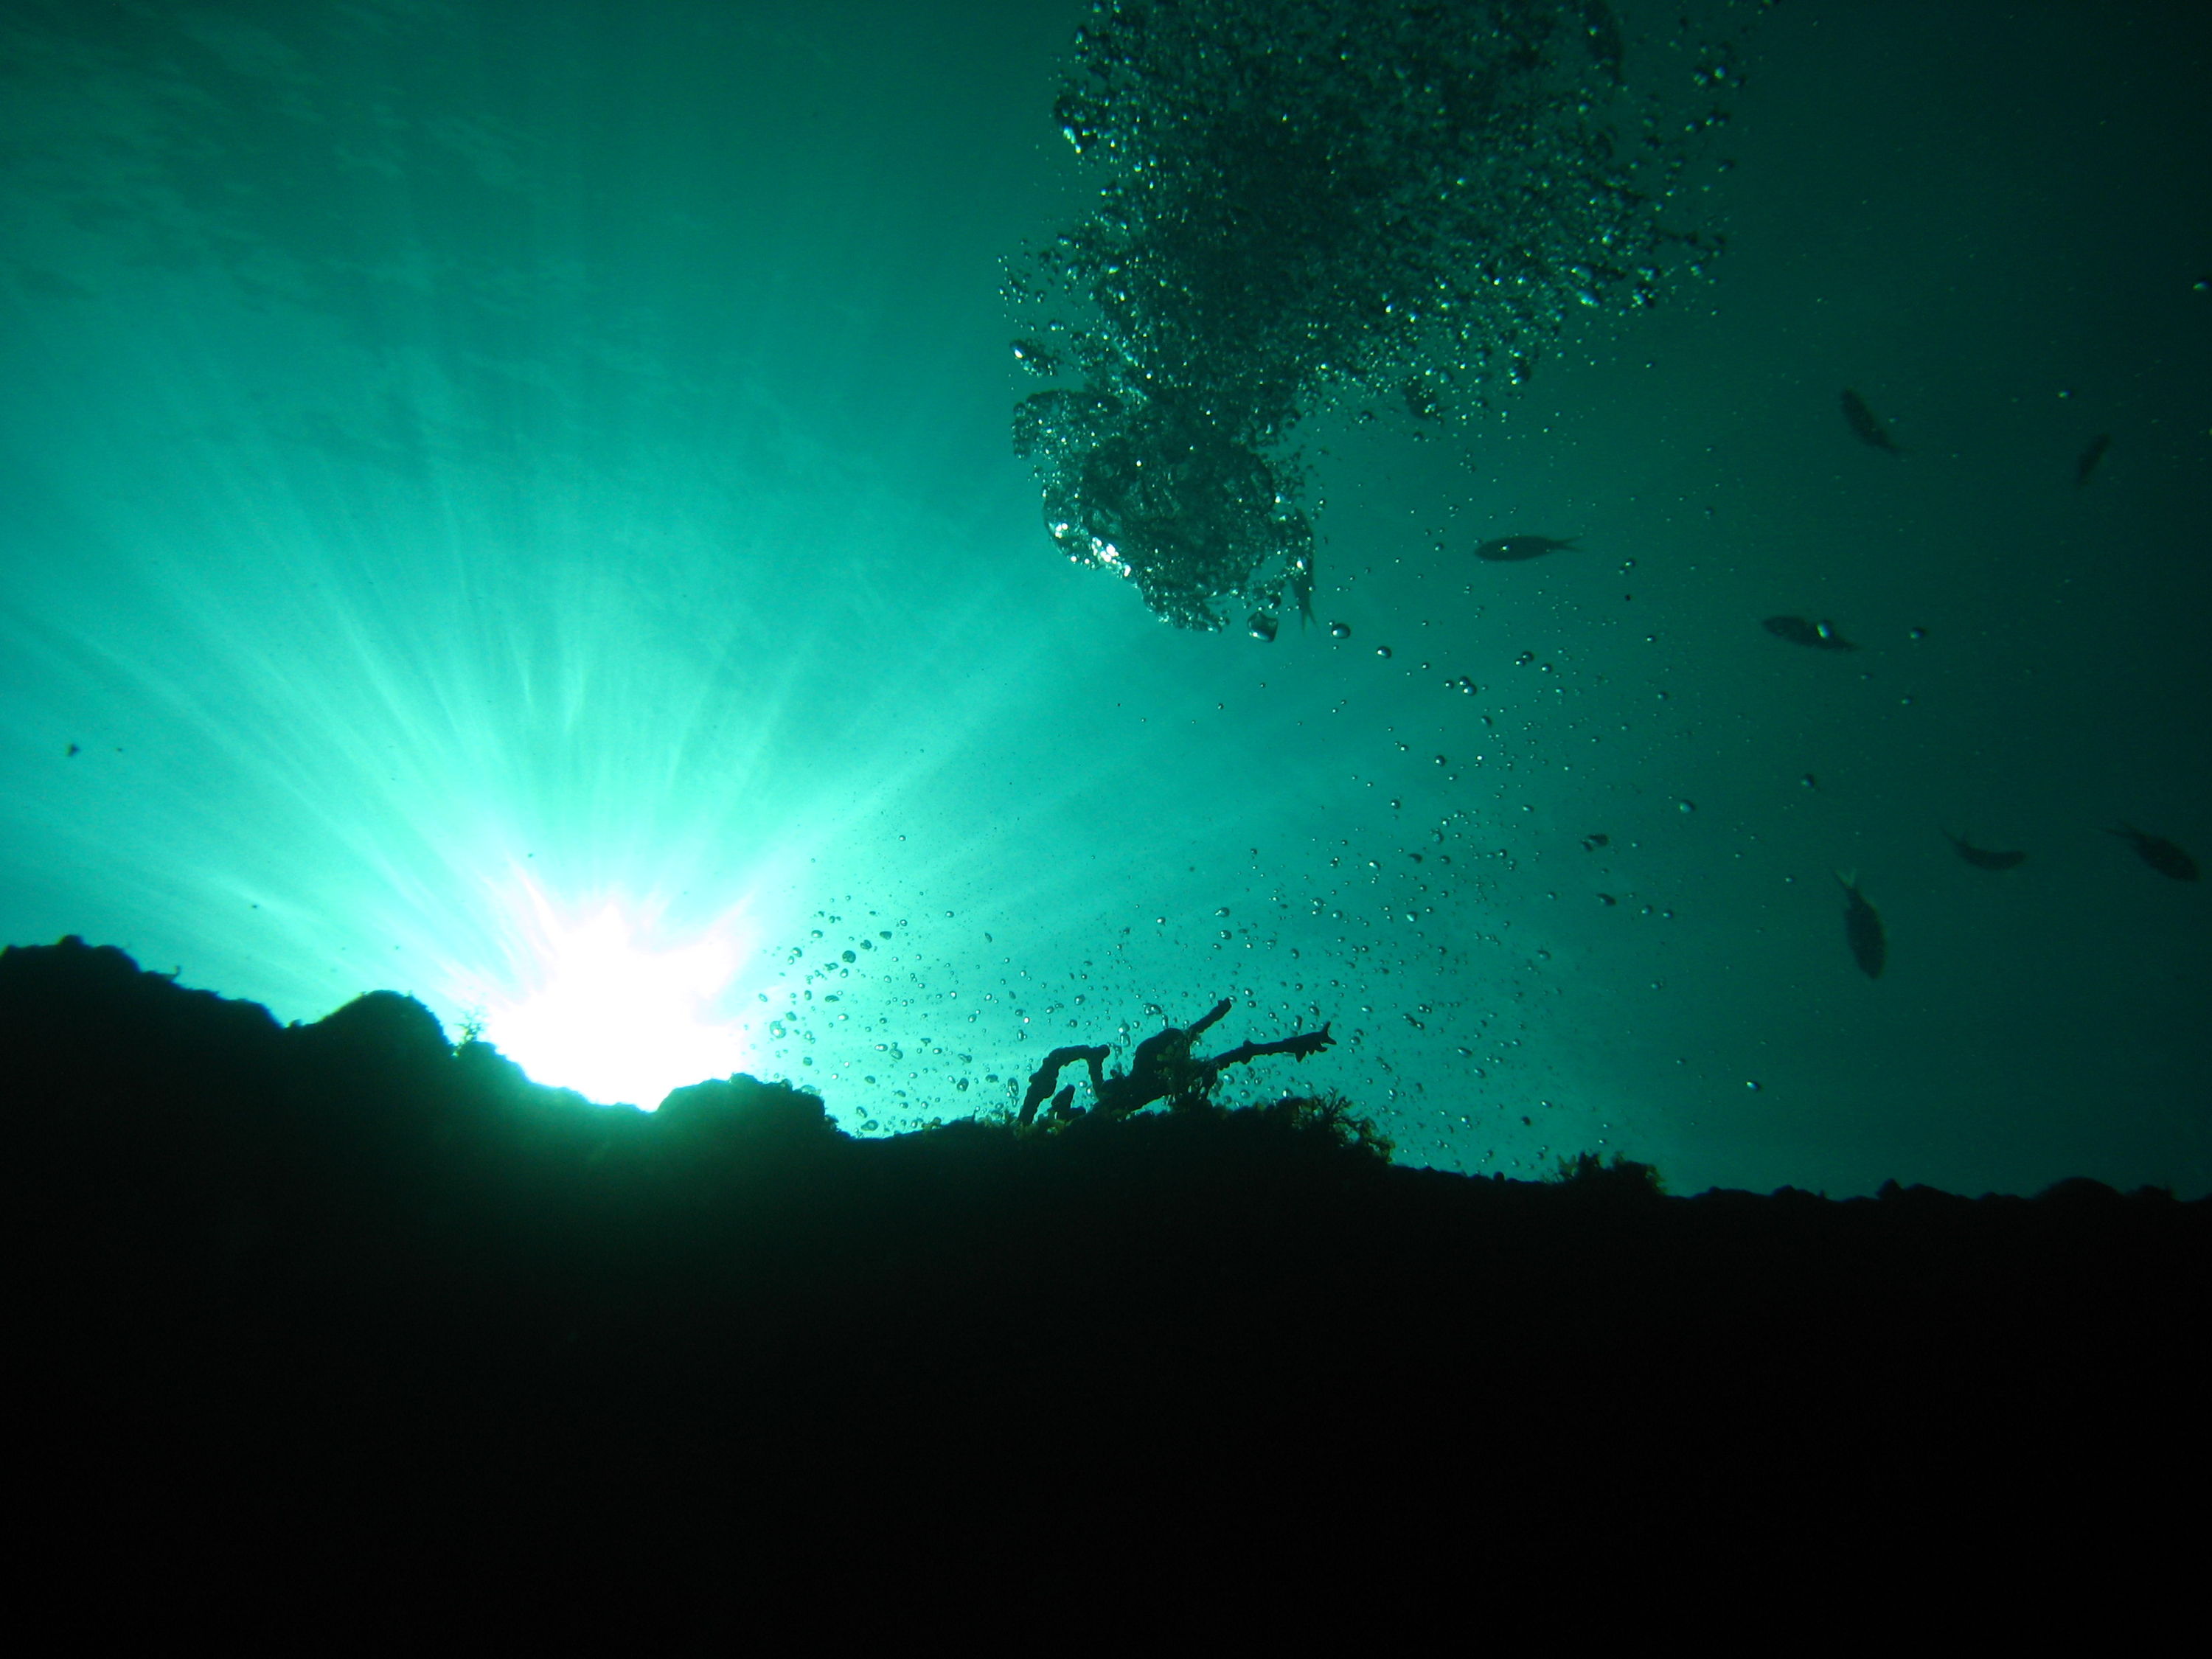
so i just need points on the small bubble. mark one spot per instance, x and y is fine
(1383, 651)
(1917, 632)
(1685, 806)
(1340, 630)
(1753, 1083)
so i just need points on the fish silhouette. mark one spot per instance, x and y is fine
(1983, 858)
(2161, 854)
(1862, 929)
(1864, 426)
(1521, 547)
(1821, 635)
(2090, 457)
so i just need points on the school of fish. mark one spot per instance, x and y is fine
(1864, 935)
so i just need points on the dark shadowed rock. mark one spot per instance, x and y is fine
(383, 1030)
(339, 1294)
(744, 1106)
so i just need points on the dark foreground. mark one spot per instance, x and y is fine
(340, 1292)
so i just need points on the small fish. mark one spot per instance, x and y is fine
(2090, 457)
(1985, 858)
(1262, 625)
(1821, 636)
(1521, 547)
(1864, 425)
(2161, 854)
(1862, 929)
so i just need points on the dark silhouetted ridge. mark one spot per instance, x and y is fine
(344, 1280)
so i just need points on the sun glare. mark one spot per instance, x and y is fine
(619, 1019)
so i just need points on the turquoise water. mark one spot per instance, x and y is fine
(515, 504)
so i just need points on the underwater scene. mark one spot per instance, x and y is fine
(1622, 579)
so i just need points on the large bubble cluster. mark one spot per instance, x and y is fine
(1303, 196)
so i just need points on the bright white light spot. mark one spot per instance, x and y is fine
(617, 1020)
